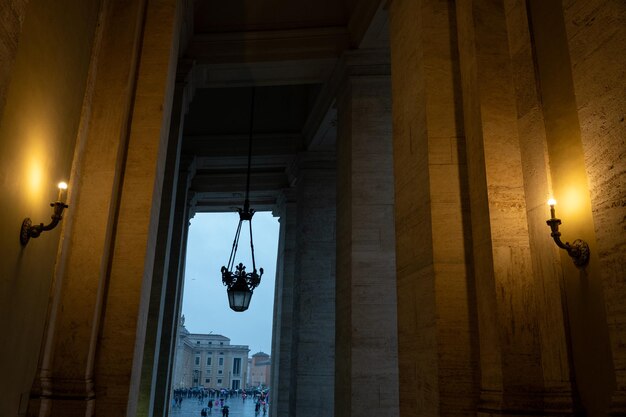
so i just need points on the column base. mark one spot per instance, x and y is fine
(61, 397)
(528, 404)
(618, 403)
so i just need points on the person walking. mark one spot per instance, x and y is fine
(210, 405)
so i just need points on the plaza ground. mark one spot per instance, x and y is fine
(238, 408)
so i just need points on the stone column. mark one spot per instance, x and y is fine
(558, 391)
(283, 393)
(122, 330)
(152, 397)
(94, 340)
(511, 374)
(366, 363)
(173, 292)
(595, 34)
(437, 337)
(313, 352)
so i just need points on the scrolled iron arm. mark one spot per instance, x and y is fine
(577, 250)
(33, 231)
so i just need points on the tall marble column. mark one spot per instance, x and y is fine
(508, 312)
(598, 86)
(173, 293)
(170, 196)
(366, 363)
(437, 340)
(313, 337)
(559, 394)
(94, 340)
(283, 393)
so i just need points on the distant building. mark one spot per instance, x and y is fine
(209, 361)
(259, 370)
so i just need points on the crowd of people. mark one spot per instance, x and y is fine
(218, 399)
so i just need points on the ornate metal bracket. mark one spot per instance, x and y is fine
(28, 230)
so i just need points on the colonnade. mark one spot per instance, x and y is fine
(416, 275)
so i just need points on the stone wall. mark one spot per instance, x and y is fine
(313, 342)
(11, 19)
(366, 324)
(497, 104)
(596, 35)
(45, 51)
(541, 86)
(436, 306)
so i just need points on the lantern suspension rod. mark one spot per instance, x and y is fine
(246, 213)
(247, 202)
(233, 251)
(252, 247)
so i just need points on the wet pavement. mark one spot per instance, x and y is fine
(237, 408)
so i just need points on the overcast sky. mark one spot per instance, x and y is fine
(205, 304)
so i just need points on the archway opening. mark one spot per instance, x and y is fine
(216, 347)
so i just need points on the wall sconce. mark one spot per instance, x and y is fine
(578, 250)
(28, 230)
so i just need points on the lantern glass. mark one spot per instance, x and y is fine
(239, 297)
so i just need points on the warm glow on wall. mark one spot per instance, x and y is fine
(572, 201)
(34, 178)
(35, 182)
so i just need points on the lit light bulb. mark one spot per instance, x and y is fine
(552, 203)
(62, 187)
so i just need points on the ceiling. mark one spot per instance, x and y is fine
(212, 16)
(283, 50)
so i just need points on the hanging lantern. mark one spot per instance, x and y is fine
(241, 284)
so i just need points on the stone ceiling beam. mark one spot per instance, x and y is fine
(270, 45)
(271, 73)
(229, 202)
(235, 180)
(232, 145)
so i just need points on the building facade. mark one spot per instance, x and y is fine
(260, 370)
(209, 361)
(408, 148)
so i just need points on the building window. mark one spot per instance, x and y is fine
(208, 371)
(219, 381)
(208, 361)
(197, 360)
(221, 343)
(236, 366)
(210, 343)
(220, 372)
(207, 380)
(197, 342)
(221, 362)
(221, 353)
(236, 384)
(195, 380)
